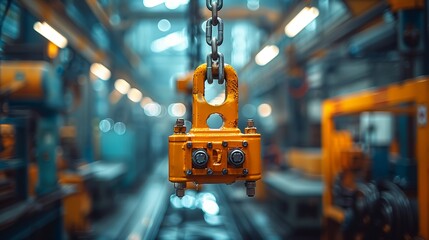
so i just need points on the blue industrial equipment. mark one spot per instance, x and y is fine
(32, 87)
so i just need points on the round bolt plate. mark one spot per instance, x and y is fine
(236, 157)
(200, 158)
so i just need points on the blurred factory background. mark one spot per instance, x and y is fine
(90, 91)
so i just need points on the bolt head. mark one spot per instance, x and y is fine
(250, 192)
(224, 143)
(188, 172)
(245, 143)
(180, 122)
(236, 157)
(189, 144)
(209, 171)
(224, 171)
(200, 158)
(250, 123)
(180, 193)
(209, 145)
(245, 171)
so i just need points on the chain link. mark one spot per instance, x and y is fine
(215, 58)
(209, 4)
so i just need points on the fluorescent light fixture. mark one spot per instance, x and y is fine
(301, 20)
(152, 3)
(177, 109)
(100, 71)
(171, 40)
(264, 110)
(267, 54)
(172, 4)
(122, 86)
(51, 34)
(164, 25)
(134, 95)
(152, 109)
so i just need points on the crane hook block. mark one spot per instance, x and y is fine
(205, 155)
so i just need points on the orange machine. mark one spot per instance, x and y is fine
(33, 84)
(411, 98)
(206, 155)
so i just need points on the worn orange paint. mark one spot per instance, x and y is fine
(200, 134)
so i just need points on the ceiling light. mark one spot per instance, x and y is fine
(122, 86)
(120, 128)
(51, 34)
(152, 109)
(172, 4)
(152, 3)
(134, 95)
(253, 5)
(177, 110)
(164, 25)
(301, 20)
(145, 101)
(264, 110)
(100, 71)
(267, 54)
(169, 41)
(105, 125)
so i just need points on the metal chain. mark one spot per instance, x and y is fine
(215, 58)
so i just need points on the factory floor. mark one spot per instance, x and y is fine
(152, 211)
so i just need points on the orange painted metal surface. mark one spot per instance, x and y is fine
(23, 79)
(397, 5)
(218, 143)
(77, 206)
(413, 92)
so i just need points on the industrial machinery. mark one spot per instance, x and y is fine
(207, 155)
(371, 189)
(31, 88)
